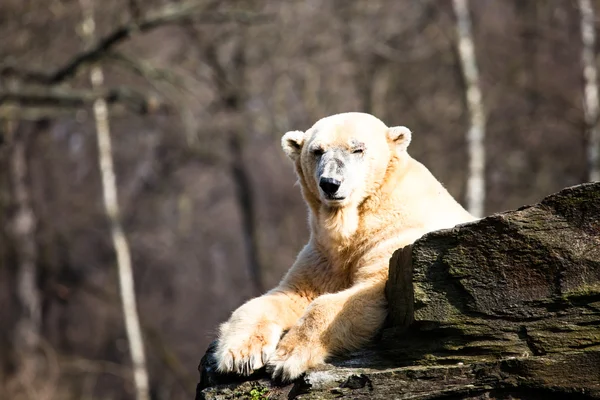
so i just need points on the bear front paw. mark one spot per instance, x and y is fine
(244, 349)
(292, 359)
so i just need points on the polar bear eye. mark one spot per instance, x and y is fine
(359, 150)
(317, 151)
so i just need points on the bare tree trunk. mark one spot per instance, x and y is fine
(590, 99)
(26, 338)
(245, 200)
(109, 189)
(476, 133)
(234, 103)
(230, 82)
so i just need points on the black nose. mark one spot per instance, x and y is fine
(329, 185)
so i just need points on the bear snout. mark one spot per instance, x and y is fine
(329, 186)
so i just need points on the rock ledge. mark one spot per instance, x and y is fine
(506, 307)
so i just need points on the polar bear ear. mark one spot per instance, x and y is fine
(400, 136)
(292, 143)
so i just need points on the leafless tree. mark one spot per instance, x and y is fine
(111, 204)
(206, 197)
(590, 98)
(230, 79)
(476, 132)
(26, 336)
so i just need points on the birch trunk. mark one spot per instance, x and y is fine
(476, 133)
(26, 337)
(590, 98)
(109, 190)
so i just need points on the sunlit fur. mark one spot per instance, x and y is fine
(332, 299)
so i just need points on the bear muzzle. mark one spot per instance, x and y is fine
(330, 187)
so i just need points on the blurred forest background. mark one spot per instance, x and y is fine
(199, 94)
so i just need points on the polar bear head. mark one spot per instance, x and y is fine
(343, 158)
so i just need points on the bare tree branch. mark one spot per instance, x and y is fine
(67, 97)
(146, 69)
(25, 75)
(31, 114)
(170, 14)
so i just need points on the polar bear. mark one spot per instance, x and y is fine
(366, 198)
